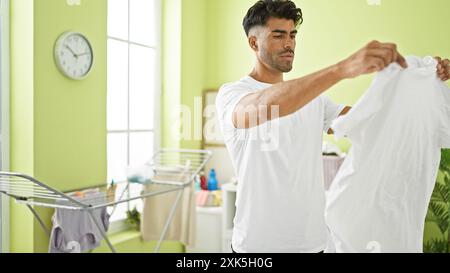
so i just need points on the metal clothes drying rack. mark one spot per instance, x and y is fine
(172, 170)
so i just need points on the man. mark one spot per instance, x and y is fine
(273, 132)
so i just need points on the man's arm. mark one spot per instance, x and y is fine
(290, 96)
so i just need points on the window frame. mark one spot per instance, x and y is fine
(119, 225)
(4, 93)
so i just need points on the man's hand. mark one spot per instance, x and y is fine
(374, 57)
(443, 68)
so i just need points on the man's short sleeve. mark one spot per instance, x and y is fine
(228, 98)
(331, 112)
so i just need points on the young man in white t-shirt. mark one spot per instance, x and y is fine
(273, 130)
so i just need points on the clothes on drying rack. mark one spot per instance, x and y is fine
(74, 231)
(157, 209)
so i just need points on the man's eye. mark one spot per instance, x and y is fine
(293, 37)
(278, 37)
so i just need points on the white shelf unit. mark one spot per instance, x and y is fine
(228, 212)
(208, 237)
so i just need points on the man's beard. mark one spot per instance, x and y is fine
(273, 62)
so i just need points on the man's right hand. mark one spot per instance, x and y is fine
(374, 57)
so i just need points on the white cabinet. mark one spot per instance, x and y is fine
(229, 210)
(208, 231)
(215, 224)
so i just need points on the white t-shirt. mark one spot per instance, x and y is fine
(379, 199)
(280, 198)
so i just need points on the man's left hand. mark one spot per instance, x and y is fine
(443, 68)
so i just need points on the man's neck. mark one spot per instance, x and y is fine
(264, 74)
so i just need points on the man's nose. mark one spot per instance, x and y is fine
(289, 44)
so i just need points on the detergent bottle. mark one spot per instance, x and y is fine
(203, 183)
(212, 182)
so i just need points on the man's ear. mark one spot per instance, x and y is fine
(252, 41)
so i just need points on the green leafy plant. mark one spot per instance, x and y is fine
(134, 218)
(439, 209)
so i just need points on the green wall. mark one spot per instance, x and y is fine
(185, 46)
(70, 116)
(194, 42)
(58, 126)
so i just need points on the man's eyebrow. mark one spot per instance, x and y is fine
(284, 31)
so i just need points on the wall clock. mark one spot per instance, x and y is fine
(74, 56)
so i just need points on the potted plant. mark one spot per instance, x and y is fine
(439, 209)
(134, 218)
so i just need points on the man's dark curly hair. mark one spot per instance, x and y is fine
(263, 10)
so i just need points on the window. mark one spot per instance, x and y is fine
(134, 87)
(4, 117)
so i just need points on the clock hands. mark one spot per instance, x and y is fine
(75, 54)
(82, 54)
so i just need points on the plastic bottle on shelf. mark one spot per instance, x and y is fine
(203, 183)
(212, 183)
(198, 183)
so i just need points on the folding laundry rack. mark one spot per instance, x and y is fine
(173, 171)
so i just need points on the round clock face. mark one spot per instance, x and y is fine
(73, 55)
